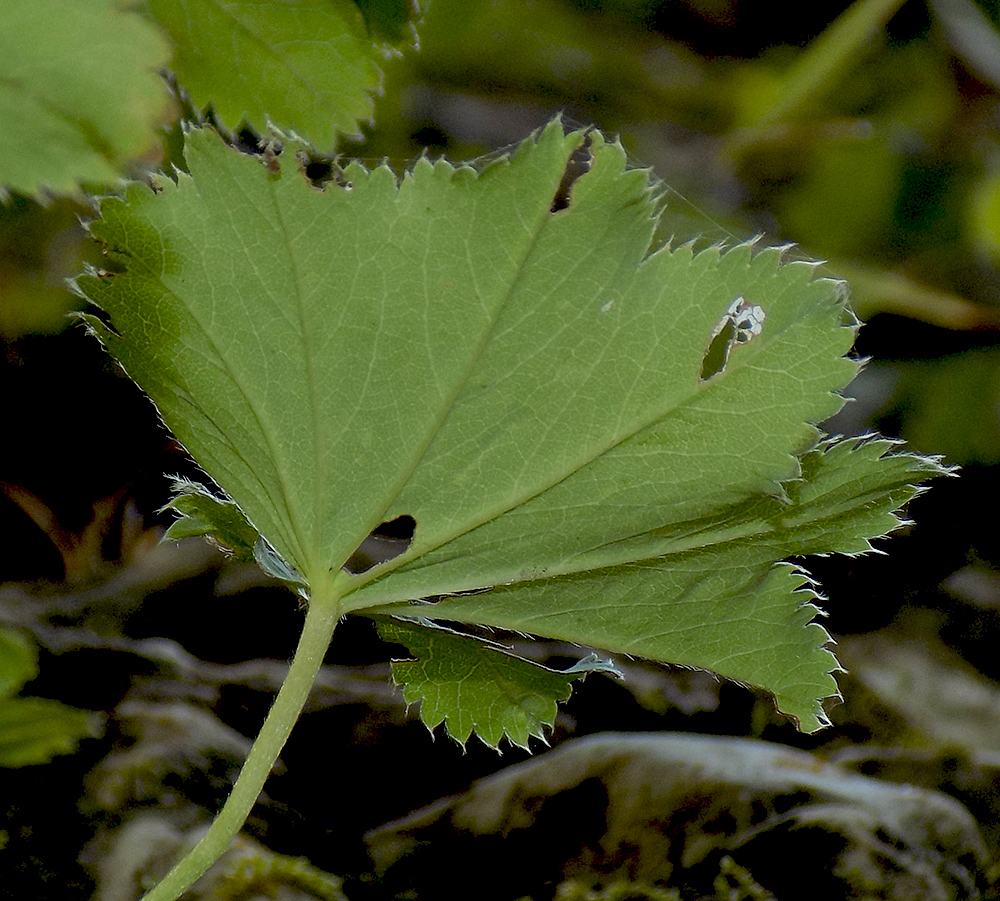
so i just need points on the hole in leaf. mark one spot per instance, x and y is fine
(740, 324)
(402, 527)
(718, 351)
(579, 164)
(433, 599)
(386, 541)
(431, 137)
(246, 140)
(321, 171)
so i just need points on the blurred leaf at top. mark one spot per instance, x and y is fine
(308, 66)
(80, 94)
(390, 20)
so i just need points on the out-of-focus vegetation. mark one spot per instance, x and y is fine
(34, 730)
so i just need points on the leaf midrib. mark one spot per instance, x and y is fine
(459, 385)
(739, 531)
(313, 568)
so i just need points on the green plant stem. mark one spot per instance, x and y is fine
(825, 59)
(321, 620)
(818, 67)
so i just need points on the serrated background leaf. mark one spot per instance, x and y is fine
(307, 65)
(391, 20)
(526, 384)
(472, 687)
(80, 93)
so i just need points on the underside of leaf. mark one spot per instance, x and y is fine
(592, 438)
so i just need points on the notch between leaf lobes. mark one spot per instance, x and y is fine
(385, 542)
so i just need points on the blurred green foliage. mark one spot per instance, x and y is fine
(40, 247)
(950, 404)
(80, 95)
(34, 730)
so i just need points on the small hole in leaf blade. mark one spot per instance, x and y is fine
(740, 324)
(579, 164)
(718, 351)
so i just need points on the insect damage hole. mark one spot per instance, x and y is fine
(740, 324)
(577, 166)
(386, 541)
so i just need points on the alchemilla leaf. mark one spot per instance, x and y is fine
(80, 93)
(311, 64)
(730, 599)
(595, 439)
(472, 686)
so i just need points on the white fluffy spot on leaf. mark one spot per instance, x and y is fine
(740, 324)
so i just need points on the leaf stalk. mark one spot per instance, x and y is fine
(321, 619)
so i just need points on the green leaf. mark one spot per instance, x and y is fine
(528, 383)
(34, 730)
(391, 20)
(472, 686)
(307, 65)
(79, 93)
(709, 593)
(201, 513)
(17, 662)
